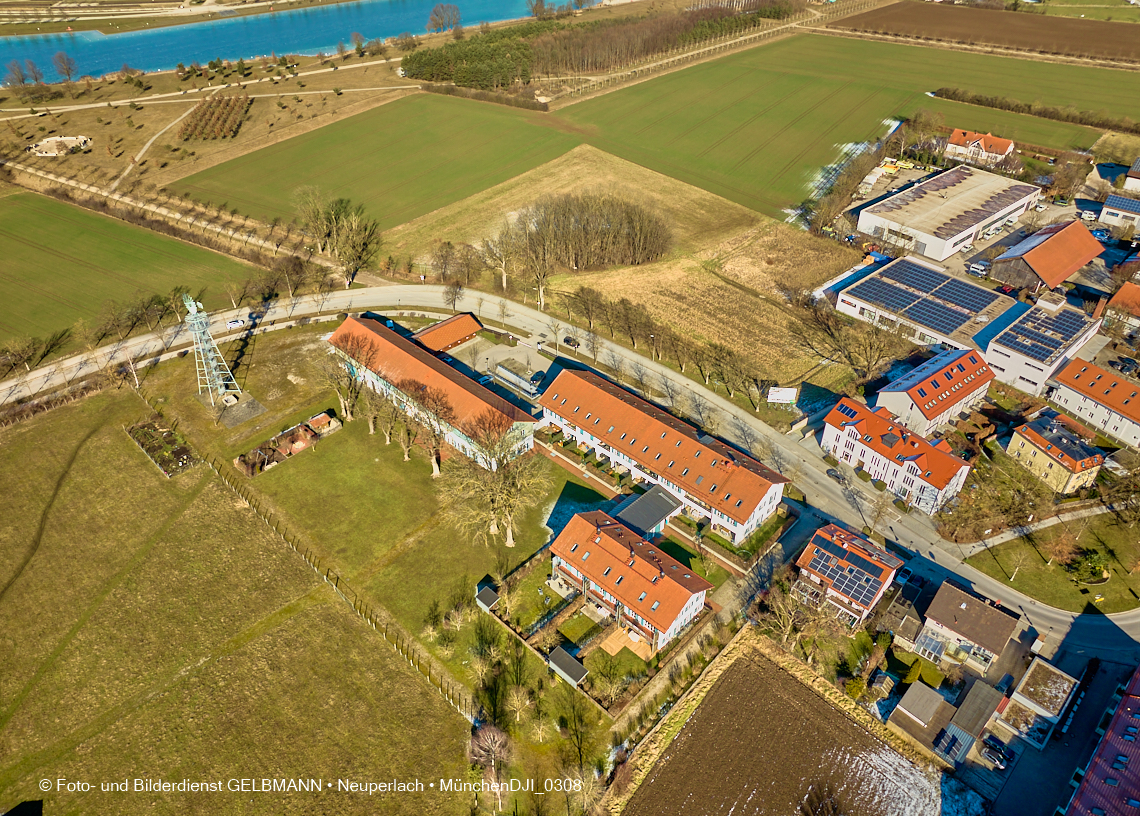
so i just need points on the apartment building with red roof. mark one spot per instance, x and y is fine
(447, 334)
(1104, 399)
(934, 393)
(648, 592)
(846, 571)
(924, 474)
(395, 366)
(977, 148)
(712, 479)
(1053, 450)
(1109, 785)
(1048, 257)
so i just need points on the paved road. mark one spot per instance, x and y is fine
(851, 502)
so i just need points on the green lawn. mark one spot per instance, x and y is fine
(60, 263)
(899, 663)
(158, 628)
(754, 127)
(578, 628)
(715, 574)
(400, 160)
(1051, 584)
(629, 664)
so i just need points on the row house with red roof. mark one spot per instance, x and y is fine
(1110, 782)
(650, 594)
(926, 475)
(1104, 399)
(404, 371)
(935, 392)
(845, 571)
(713, 480)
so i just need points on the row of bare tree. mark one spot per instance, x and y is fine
(338, 227)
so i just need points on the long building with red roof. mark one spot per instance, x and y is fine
(937, 391)
(1104, 399)
(1048, 257)
(712, 479)
(846, 570)
(1110, 784)
(979, 148)
(646, 590)
(924, 474)
(395, 366)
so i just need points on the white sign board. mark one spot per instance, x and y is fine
(784, 396)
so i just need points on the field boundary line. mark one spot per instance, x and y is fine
(985, 50)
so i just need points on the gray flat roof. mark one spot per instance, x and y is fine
(567, 665)
(980, 704)
(648, 510)
(952, 202)
(921, 702)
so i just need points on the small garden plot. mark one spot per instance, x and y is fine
(165, 446)
(580, 629)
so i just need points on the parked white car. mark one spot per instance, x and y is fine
(235, 324)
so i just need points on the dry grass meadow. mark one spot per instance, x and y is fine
(157, 629)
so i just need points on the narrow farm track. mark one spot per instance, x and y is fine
(109, 586)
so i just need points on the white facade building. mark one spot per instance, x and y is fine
(1104, 399)
(937, 391)
(1037, 345)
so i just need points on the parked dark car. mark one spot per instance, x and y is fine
(994, 744)
(571, 342)
(835, 474)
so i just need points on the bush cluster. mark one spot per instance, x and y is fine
(218, 117)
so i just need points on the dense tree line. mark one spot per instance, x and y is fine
(1101, 120)
(496, 59)
(340, 228)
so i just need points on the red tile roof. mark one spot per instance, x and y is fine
(936, 388)
(1127, 299)
(989, 143)
(1064, 250)
(1117, 757)
(704, 467)
(881, 431)
(872, 561)
(447, 334)
(627, 566)
(1110, 390)
(397, 358)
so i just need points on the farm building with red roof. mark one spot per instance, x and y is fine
(404, 371)
(447, 334)
(923, 474)
(712, 479)
(1048, 257)
(646, 591)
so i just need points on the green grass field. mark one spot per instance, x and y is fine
(61, 263)
(753, 127)
(157, 628)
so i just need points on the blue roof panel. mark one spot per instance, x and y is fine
(1000, 324)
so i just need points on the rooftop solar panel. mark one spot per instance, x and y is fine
(1115, 202)
(936, 316)
(881, 293)
(916, 275)
(966, 295)
(847, 411)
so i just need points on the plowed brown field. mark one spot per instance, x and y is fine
(1007, 29)
(762, 743)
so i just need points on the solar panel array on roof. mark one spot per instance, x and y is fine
(916, 275)
(953, 744)
(879, 292)
(936, 316)
(853, 582)
(847, 411)
(1115, 202)
(1041, 336)
(965, 295)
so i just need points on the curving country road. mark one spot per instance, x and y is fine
(1116, 637)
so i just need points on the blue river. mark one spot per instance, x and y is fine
(298, 31)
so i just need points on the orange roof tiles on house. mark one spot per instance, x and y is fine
(1127, 299)
(1056, 252)
(881, 432)
(447, 334)
(1072, 455)
(706, 468)
(636, 572)
(397, 358)
(987, 141)
(952, 376)
(859, 555)
(1110, 390)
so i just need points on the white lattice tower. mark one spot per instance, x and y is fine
(214, 376)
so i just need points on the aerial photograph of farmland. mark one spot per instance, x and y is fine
(618, 407)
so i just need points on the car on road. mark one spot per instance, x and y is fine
(447, 359)
(571, 342)
(235, 324)
(903, 576)
(485, 379)
(835, 474)
(995, 759)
